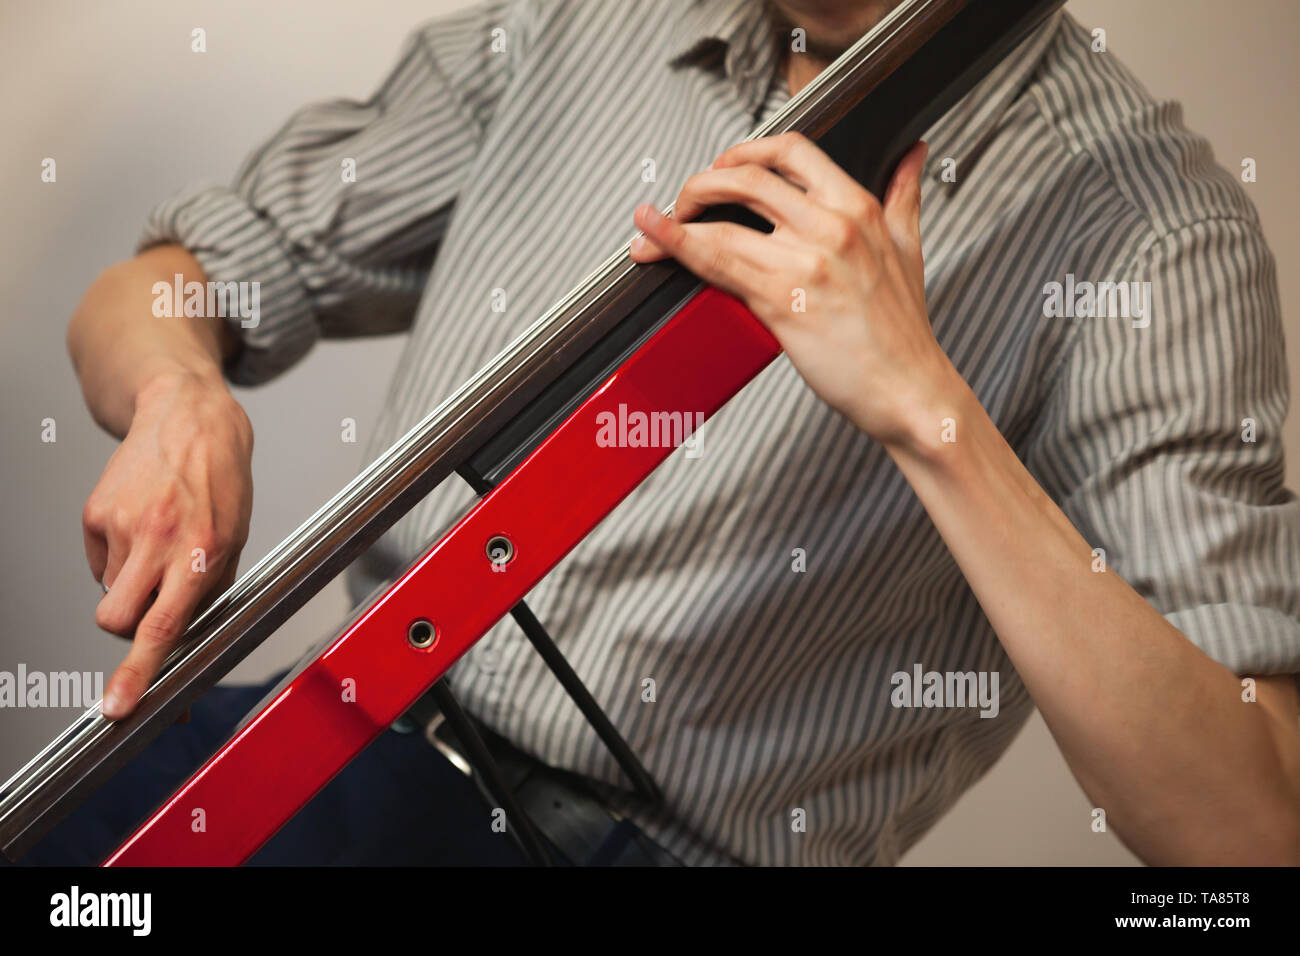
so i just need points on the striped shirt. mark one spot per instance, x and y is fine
(773, 586)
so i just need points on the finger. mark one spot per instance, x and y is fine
(129, 590)
(117, 555)
(155, 637)
(121, 542)
(94, 531)
(903, 204)
(723, 254)
(755, 187)
(644, 249)
(96, 551)
(803, 163)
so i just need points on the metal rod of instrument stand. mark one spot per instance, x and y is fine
(577, 690)
(476, 752)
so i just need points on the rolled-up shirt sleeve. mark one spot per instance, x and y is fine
(337, 217)
(1163, 445)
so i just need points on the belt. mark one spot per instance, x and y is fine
(578, 828)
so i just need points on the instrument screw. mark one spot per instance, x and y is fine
(421, 633)
(500, 550)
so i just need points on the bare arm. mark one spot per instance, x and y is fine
(164, 525)
(180, 481)
(1155, 730)
(117, 351)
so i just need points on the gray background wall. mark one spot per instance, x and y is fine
(113, 93)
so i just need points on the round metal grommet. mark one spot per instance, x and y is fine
(500, 550)
(421, 633)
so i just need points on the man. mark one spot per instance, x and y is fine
(1121, 559)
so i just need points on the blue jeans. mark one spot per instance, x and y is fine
(401, 802)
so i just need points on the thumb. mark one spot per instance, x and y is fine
(903, 205)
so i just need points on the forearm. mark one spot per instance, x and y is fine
(1155, 731)
(119, 346)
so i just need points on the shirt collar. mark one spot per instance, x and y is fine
(740, 32)
(744, 31)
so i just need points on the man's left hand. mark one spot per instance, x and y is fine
(840, 281)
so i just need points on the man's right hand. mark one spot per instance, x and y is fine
(166, 522)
